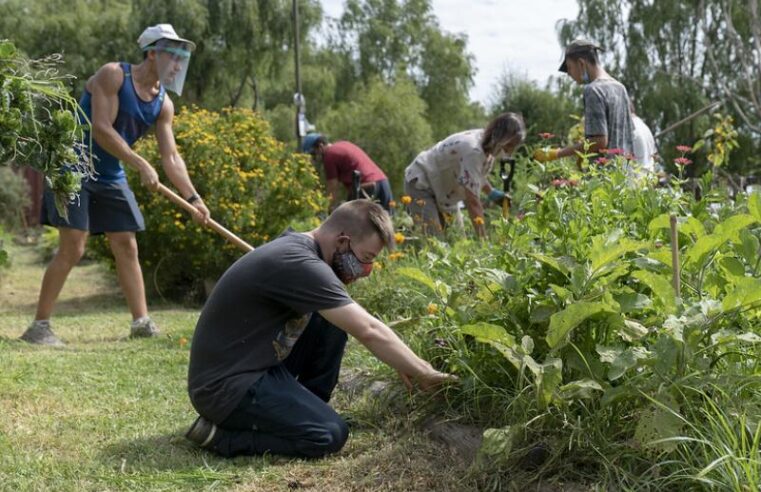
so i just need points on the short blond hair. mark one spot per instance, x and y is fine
(360, 219)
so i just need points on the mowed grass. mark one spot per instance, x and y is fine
(109, 413)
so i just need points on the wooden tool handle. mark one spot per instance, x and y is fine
(221, 230)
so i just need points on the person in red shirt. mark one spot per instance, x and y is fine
(340, 160)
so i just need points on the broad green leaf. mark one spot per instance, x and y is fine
(548, 378)
(419, 276)
(662, 255)
(633, 331)
(497, 443)
(550, 261)
(730, 336)
(660, 286)
(749, 247)
(734, 224)
(658, 425)
(692, 227)
(487, 332)
(632, 301)
(685, 225)
(726, 231)
(561, 323)
(626, 360)
(754, 205)
(747, 291)
(581, 389)
(731, 266)
(603, 253)
(663, 221)
(702, 248)
(646, 263)
(563, 294)
(497, 337)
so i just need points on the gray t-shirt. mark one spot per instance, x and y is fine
(254, 316)
(606, 112)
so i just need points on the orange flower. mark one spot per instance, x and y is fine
(478, 221)
(406, 199)
(433, 308)
(392, 204)
(395, 256)
(399, 238)
(183, 341)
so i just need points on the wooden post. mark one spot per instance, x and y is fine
(676, 280)
(177, 199)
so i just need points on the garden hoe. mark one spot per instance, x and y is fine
(178, 200)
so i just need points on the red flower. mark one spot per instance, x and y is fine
(602, 161)
(546, 136)
(682, 161)
(684, 148)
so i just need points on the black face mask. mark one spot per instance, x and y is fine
(348, 268)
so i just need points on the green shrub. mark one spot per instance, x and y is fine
(14, 198)
(249, 181)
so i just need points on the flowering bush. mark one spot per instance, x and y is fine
(249, 181)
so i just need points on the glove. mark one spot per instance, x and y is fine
(545, 155)
(496, 196)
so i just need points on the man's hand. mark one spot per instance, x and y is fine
(429, 381)
(149, 177)
(546, 155)
(202, 214)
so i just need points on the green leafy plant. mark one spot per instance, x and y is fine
(38, 123)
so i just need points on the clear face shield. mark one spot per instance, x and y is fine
(172, 60)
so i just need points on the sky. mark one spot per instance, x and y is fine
(518, 35)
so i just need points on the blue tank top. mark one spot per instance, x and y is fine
(133, 119)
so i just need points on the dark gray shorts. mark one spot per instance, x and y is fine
(101, 207)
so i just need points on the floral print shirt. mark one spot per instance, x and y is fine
(452, 166)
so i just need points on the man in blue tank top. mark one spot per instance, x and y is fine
(122, 103)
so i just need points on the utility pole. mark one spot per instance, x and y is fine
(298, 98)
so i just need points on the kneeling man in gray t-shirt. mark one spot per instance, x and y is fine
(267, 348)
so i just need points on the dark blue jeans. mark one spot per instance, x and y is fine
(286, 412)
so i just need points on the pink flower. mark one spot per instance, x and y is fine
(614, 151)
(684, 148)
(682, 161)
(602, 161)
(546, 136)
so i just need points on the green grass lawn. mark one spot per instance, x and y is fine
(109, 413)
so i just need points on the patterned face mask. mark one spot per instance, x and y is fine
(349, 268)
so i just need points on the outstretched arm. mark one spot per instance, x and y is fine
(386, 345)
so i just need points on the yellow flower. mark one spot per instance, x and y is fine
(433, 308)
(478, 221)
(395, 256)
(399, 238)
(406, 199)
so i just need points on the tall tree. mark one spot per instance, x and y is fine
(386, 38)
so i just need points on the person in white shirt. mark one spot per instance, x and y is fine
(644, 143)
(456, 169)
